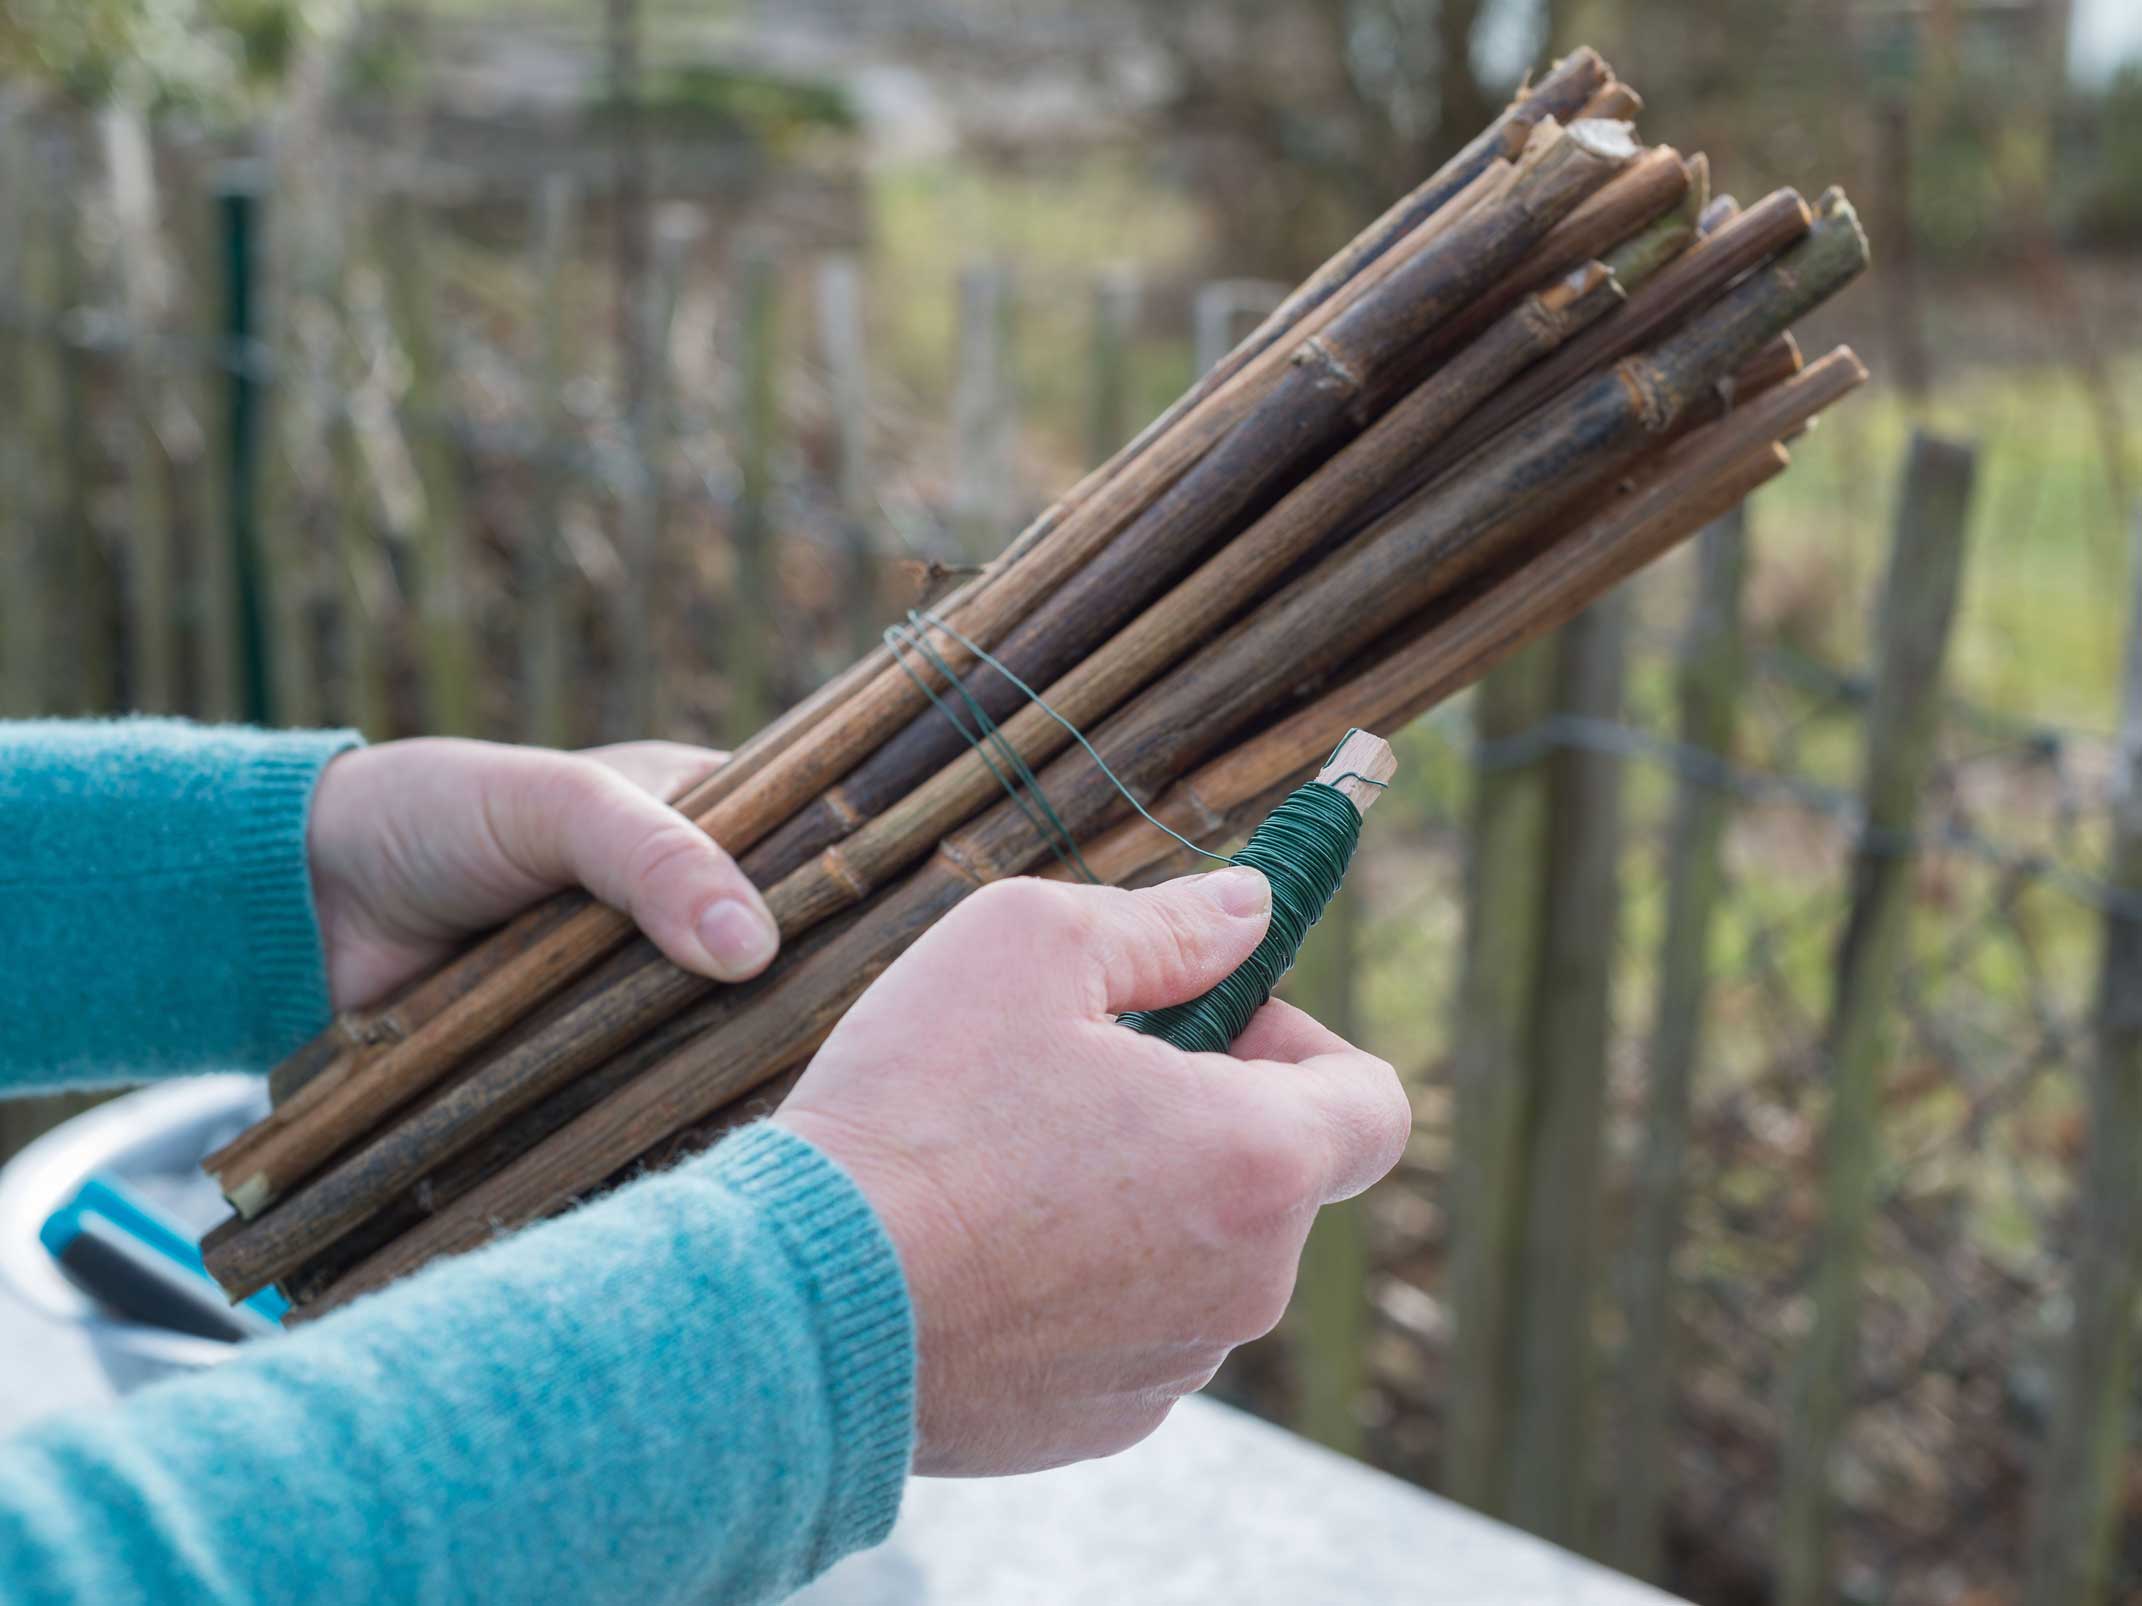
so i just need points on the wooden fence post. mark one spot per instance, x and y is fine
(152, 666)
(22, 621)
(1711, 672)
(2080, 1482)
(839, 287)
(984, 428)
(1550, 1486)
(72, 641)
(543, 588)
(302, 263)
(647, 618)
(1330, 1316)
(238, 224)
(1491, 1068)
(1911, 632)
(445, 618)
(755, 604)
(1218, 309)
(363, 581)
(214, 679)
(1115, 321)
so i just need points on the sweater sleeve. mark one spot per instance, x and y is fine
(155, 905)
(697, 1389)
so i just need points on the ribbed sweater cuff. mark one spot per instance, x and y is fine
(865, 1325)
(271, 800)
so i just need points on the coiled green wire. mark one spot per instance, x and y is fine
(1303, 847)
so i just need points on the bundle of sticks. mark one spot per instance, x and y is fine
(1550, 362)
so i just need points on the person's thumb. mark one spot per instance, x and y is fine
(589, 824)
(1174, 942)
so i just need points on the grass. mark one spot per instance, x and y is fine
(2046, 585)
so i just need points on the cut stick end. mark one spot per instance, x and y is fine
(1607, 138)
(1722, 210)
(250, 1197)
(1614, 100)
(1698, 198)
(1360, 767)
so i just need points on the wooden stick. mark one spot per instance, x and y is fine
(1652, 187)
(1413, 557)
(1708, 473)
(1593, 432)
(1172, 627)
(1691, 279)
(301, 1134)
(1338, 370)
(1564, 94)
(1713, 469)
(1573, 81)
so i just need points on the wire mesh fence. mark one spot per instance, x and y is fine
(1981, 1123)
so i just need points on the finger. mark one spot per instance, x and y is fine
(667, 769)
(1101, 950)
(1356, 1106)
(576, 820)
(1177, 941)
(1146, 949)
(1282, 1033)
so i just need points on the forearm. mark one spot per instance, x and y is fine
(700, 1388)
(155, 905)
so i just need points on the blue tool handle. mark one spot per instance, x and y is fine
(110, 1204)
(135, 1281)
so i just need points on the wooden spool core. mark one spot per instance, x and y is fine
(1366, 761)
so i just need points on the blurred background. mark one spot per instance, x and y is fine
(563, 372)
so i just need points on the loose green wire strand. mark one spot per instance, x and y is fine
(1302, 848)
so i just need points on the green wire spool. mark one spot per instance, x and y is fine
(1303, 848)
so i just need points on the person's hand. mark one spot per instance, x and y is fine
(1089, 1220)
(415, 845)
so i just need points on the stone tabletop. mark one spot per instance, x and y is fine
(1216, 1509)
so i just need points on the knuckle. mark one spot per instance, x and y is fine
(577, 785)
(1265, 1175)
(1378, 1126)
(1024, 906)
(666, 853)
(1396, 1116)
(1265, 1301)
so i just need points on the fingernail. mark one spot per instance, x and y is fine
(738, 939)
(1239, 891)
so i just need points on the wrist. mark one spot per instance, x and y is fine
(938, 1255)
(863, 1306)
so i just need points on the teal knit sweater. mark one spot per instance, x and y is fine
(699, 1388)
